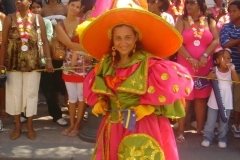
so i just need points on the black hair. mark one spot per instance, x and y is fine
(88, 5)
(165, 6)
(236, 3)
(70, 1)
(58, 1)
(139, 45)
(39, 2)
(2, 7)
(203, 8)
(218, 54)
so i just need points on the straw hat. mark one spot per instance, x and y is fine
(157, 36)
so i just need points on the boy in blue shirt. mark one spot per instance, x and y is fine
(230, 38)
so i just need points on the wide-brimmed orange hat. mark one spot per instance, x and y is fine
(157, 35)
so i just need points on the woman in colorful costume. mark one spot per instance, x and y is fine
(135, 89)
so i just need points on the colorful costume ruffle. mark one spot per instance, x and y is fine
(145, 80)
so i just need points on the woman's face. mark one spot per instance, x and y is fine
(23, 4)
(74, 8)
(192, 6)
(36, 8)
(153, 5)
(124, 39)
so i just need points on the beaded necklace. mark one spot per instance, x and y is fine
(177, 12)
(197, 32)
(24, 32)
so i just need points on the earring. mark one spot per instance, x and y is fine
(134, 49)
(113, 54)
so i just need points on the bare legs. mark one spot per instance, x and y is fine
(74, 127)
(200, 106)
(182, 121)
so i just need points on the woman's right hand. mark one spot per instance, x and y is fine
(194, 63)
(49, 67)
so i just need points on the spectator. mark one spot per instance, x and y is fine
(46, 81)
(73, 78)
(225, 71)
(196, 55)
(230, 38)
(55, 11)
(20, 43)
(159, 7)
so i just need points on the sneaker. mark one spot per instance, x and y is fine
(22, 119)
(194, 124)
(222, 144)
(175, 125)
(62, 122)
(205, 143)
(85, 117)
(236, 133)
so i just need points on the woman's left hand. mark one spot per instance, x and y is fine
(202, 61)
(49, 67)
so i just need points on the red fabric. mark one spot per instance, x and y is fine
(151, 125)
(72, 78)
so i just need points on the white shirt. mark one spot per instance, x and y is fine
(225, 91)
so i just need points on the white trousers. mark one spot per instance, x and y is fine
(22, 93)
(75, 91)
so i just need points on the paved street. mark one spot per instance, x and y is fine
(51, 145)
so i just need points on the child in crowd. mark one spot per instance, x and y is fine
(225, 72)
(230, 38)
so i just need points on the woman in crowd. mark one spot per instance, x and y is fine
(54, 7)
(19, 53)
(55, 11)
(134, 84)
(47, 80)
(159, 7)
(196, 55)
(220, 12)
(73, 78)
(176, 8)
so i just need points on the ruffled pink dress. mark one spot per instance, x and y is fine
(196, 52)
(146, 80)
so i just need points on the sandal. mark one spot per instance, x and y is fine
(65, 132)
(73, 133)
(180, 138)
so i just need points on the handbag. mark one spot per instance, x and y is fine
(58, 50)
(42, 57)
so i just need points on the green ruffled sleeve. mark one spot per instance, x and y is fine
(175, 110)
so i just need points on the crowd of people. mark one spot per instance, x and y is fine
(125, 83)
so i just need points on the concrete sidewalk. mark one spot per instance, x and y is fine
(51, 145)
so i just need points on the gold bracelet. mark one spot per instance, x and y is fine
(49, 59)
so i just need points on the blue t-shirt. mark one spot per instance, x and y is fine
(229, 30)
